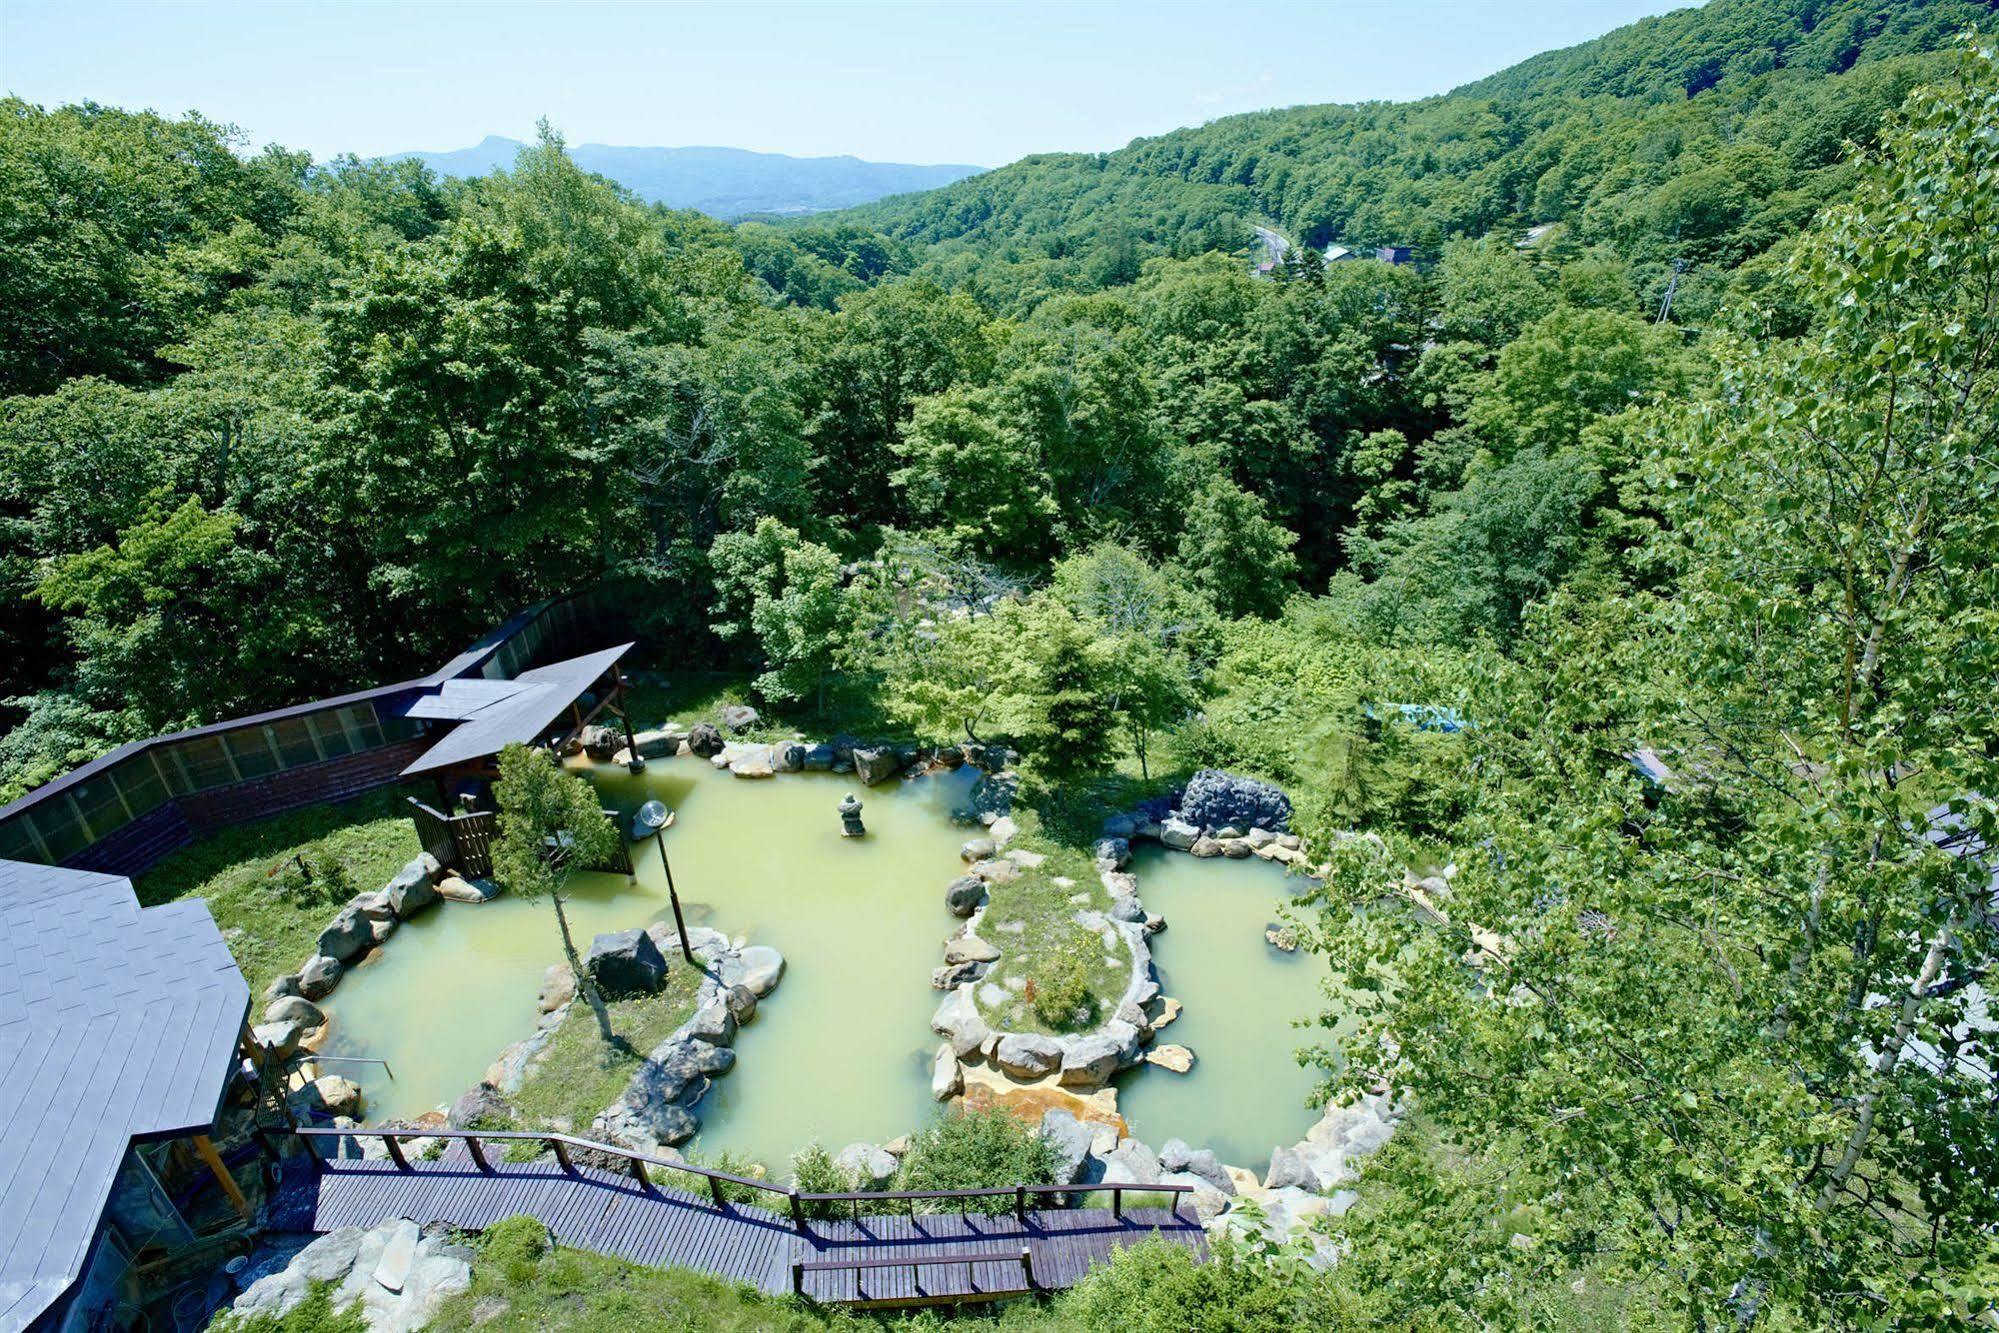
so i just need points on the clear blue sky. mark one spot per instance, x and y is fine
(908, 82)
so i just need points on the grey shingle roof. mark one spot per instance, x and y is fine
(524, 714)
(116, 1023)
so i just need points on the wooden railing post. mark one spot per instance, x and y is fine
(639, 1173)
(561, 1154)
(715, 1190)
(478, 1151)
(798, 1277)
(395, 1146)
(1117, 1202)
(1020, 1204)
(797, 1209)
(1027, 1265)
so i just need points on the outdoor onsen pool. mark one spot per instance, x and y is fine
(1245, 1094)
(841, 1050)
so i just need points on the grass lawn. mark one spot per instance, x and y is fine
(521, 1283)
(579, 1075)
(686, 696)
(269, 917)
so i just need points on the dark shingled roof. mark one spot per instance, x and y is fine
(116, 1023)
(497, 716)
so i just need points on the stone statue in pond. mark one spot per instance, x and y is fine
(850, 817)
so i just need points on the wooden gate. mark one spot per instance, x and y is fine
(465, 842)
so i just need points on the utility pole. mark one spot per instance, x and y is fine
(1672, 285)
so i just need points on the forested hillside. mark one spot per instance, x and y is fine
(1706, 135)
(1037, 458)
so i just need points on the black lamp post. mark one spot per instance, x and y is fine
(653, 816)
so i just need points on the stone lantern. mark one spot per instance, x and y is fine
(850, 817)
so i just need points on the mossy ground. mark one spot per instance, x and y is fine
(248, 876)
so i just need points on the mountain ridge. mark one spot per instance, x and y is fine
(723, 182)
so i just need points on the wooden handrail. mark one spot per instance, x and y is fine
(560, 1144)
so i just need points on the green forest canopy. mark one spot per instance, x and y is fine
(1035, 456)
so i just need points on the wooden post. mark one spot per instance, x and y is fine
(213, 1160)
(633, 762)
(639, 1173)
(395, 1146)
(798, 1277)
(715, 1189)
(673, 894)
(797, 1209)
(562, 1155)
(478, 1151)
(1020, 1204)
(1117, 1202)
(1027, 1265)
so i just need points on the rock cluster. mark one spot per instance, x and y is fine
(655, 1109)
(399, 1275)
(363, 924)
(1214, 800)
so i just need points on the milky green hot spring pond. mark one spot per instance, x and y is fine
(1245, 1094)
(839, 1051)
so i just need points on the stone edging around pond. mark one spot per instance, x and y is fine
(293, 1020)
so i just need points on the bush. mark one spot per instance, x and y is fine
(813, 1171)
(515, 1245)
(1157, 1287)
(1059, 988)
(977, 1149)
(314, 1314)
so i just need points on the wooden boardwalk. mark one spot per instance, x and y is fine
(867, 1261)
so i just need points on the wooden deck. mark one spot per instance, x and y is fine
(867, 1262)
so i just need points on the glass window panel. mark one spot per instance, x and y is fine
(251, 750)
(367, 731)
(139, 782)
(207, 766)
(295, 745)
(97, 801)
(332, 736)
(16, 842)
(61, 834)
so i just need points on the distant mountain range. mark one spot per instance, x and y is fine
(722, 182)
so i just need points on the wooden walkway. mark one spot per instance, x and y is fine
(874, 1260)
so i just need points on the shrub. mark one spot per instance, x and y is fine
(813, 1171)
(314, 1314)
(1059, 987)
(975, 1149)
(515, 1245)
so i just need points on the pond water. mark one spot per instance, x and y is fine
(1245, 1094)
(839, 1051)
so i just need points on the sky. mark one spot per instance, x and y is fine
(891, 81)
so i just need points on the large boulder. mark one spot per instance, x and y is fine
(1215, 800)
(739, 717)
(820, 758)
(600, 743)
(319, 976)
(1089, 1061)
(295, 1009)
(1113, 853)
(875, 764)
(868, 1166)
(347, 936)
(279, 1041)
(963, 895)
(789, 755)
(1289, 1170)
(626, 962)
(759, 967)
(1177, 1158)
(1131, 1163)
(483, 1107)
(1070, 1139)
(969, 949)
(959, 1022)
(705, 740)
(1028, 1054)
(714, 1024)
(1178, 834)
(414, 887)
(672, 1074)
(947, 1080)
(756, 761)
(660, 742)
(334, 1095)
(558, 987)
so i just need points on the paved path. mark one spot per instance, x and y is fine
(612, 1214)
